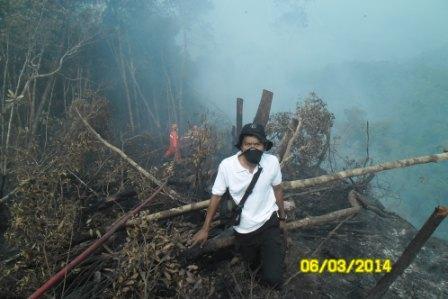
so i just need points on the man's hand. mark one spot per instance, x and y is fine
(199, 238)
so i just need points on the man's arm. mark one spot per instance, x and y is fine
(202, 235)
(278, 192)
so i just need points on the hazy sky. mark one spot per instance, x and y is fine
(287, 46)
(243, 46)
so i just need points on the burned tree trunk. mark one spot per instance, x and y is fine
(36, 115)
(264, 108)
(211, 246)
(123, 71)
(239, 116)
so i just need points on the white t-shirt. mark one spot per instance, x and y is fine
(261, 203)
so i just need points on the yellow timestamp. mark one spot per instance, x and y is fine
(358, 265)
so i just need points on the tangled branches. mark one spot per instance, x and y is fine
(316, 124)
(201, 144)
(148, 264)
(303, 136)
(46, 213)
(56, 210)
(62, 207)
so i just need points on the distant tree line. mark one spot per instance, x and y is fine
(132, 53)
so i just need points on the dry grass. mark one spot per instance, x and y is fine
(54, 215)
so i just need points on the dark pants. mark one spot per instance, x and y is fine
(264, 247)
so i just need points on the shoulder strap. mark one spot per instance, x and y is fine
(250, 187)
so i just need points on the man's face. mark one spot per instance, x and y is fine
(251, 141)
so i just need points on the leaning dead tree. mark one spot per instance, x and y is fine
(300, 184)
(409, 253)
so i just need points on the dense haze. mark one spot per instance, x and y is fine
(130, 69)
(159, 62)
(384, 62)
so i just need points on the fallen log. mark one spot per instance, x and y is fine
(330, 217)
(299, 184)
(317, 190)
(223, 242)
(409, 253)
(211, 246)
(362, 171)
(171, 212)
(182, 210)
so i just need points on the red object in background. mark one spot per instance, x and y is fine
(174, 148)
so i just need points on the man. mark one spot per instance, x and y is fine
(259, 235)
(174, 148)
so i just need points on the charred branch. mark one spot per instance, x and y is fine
(409, 253)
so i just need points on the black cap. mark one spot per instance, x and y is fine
(254, 130)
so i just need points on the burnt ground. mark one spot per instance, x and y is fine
(367, 235)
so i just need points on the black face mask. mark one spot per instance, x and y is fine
(253, 155)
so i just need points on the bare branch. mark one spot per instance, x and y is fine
(151, 177)
(70, 52)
